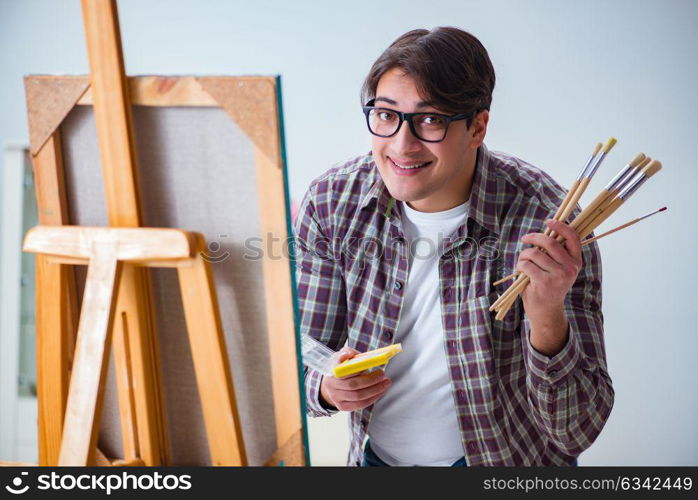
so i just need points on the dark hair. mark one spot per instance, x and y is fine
(450, 66)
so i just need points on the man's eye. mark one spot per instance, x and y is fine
(432, 120)
(386, 115)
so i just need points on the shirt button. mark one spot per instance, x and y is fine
(552, 373)
(387, 335)
(398, 285)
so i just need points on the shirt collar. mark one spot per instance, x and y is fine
(483, 194)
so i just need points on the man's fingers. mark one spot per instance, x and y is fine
(358, 405)
(544, 261)
(572, 241)
(360, 381)
(531, 270)
(555, 250)
(345, 353)
(363, 394)
(360, 391)
(343, 356)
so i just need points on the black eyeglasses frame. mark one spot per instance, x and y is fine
(408, 117)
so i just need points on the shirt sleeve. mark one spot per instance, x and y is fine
(571, 393)
(321, 294)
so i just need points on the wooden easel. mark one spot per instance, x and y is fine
(107, 251)
(118, 296)
(134, 342)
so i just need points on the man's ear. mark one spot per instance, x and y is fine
(478, 128)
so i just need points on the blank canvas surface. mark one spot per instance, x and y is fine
(197, 172)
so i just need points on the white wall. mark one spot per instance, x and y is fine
(568, 74)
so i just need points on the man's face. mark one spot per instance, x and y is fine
(444, 180)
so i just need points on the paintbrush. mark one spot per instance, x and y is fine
(589, 240)
(624, 185)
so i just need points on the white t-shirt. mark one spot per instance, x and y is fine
(415, 422)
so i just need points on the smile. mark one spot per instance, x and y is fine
(408, 166)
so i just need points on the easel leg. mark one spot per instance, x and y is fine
(56, 306)
(81, 424)
(135, 308)
(54, 353)
(124, 381)
(213, 376)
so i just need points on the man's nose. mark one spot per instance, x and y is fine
(404, 140)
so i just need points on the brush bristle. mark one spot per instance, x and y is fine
(653, 167)
(662, 209)
(637, 160)
(609, 144)
(597, 149)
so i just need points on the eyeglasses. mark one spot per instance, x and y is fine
(427, 127)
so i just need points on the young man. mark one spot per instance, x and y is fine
(403, 244)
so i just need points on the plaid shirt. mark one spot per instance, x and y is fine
(515, 405)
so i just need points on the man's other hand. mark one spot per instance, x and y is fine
(354, 392)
